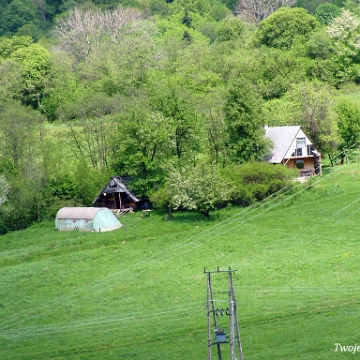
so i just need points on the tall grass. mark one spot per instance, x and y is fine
(139, 292)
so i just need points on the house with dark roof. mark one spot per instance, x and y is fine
(293, 148)
(116, 195)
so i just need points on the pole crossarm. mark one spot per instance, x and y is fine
(218, 270)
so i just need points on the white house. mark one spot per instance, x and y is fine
(293, 148)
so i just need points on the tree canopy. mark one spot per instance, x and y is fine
(167, 92)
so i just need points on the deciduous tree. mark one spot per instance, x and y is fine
(244, 122)
(345, 32)
(4, 189)
(326, 12)
(83, 31)
(285, 26)
(18, 13)
(20, 133)
(182, 116)
(35, 62)
(348, 122)
(312, 108)
(199, 189)
(144, 145)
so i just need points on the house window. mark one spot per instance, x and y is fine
(299, 164)
(300, 143)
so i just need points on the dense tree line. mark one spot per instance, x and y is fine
(172, 93)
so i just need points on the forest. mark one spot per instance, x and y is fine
(174, 94)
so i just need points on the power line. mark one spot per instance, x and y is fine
(192, 241)
(175, 252)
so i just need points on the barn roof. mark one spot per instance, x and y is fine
(117, 184)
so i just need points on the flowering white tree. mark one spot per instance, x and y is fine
(345, 32)
(199, 189)
(4, 189)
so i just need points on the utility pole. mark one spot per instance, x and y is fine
(219, 319)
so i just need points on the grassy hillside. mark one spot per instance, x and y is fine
(139, 292)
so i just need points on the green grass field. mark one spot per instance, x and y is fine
(139, 292)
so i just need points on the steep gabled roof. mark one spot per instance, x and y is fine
(282, 137)
(117, 184)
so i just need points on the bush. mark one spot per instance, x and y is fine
(255, 181)
(286, 26)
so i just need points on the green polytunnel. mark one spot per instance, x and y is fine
(86, 219)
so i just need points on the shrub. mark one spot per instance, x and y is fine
(255, 181)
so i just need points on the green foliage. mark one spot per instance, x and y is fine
(63, 89)
(313, 110)
(345, 32)
(159, 199)
(11, 80)
(211, 109)
(143, 146)
(201, 7)
(159, 7)
(326, 12)
(231, 28)
(199, 189)
(320, 46)
(30, 30)
(219, 11)
(254, 181)
(21, 209)
(86, 191)
(244, 123)
(35, 62)
(20, 129)
(17, 14)
(63, 188)
(286, 26)
(129, 94)
(348, 122)
(8, 45)
(25, 68)
(278, 112)
(274, 70)
(312, 5)
(352, 6)
(182, 118)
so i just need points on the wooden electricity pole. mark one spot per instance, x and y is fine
(215, 323)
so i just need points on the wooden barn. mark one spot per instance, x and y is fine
(116, 195)
(293, 148)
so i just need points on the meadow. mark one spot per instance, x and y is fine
(139, 292)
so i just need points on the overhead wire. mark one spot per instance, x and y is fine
(100, 321)
(189, 242)
(102, 281)
(194, 239)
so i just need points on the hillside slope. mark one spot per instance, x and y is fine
(139, 292)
